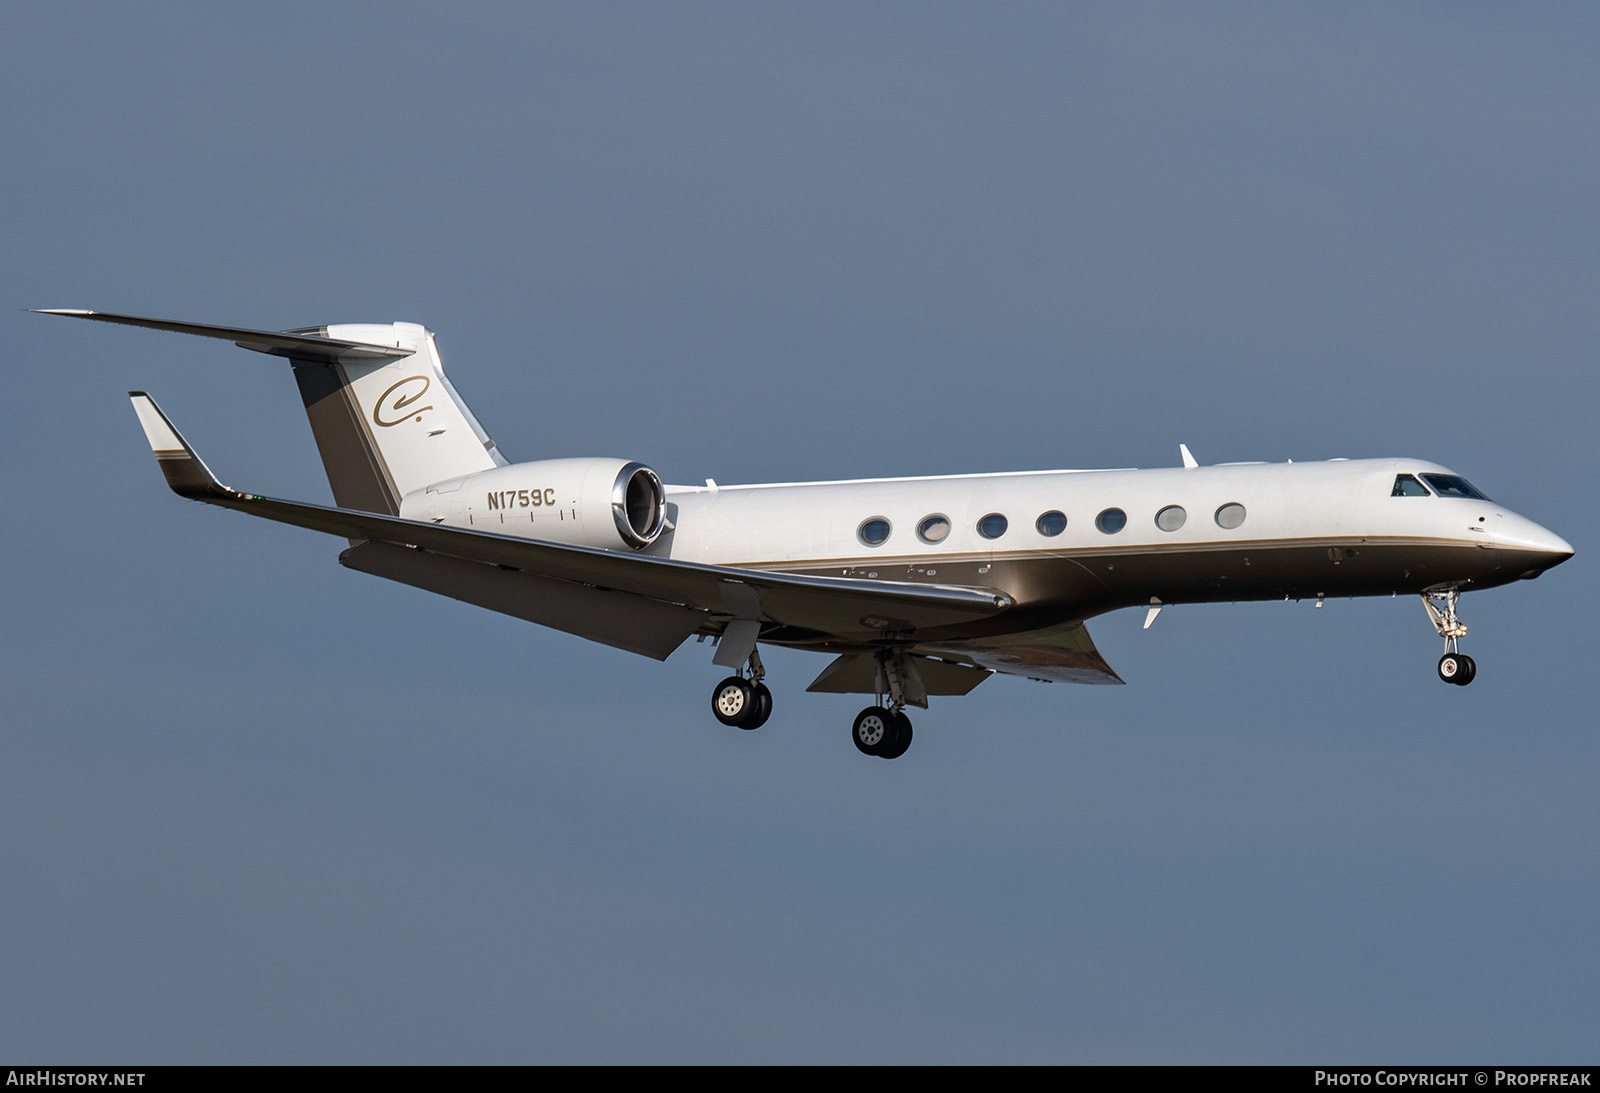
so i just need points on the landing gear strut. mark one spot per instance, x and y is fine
(1455, 666)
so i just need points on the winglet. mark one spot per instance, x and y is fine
(186, 473)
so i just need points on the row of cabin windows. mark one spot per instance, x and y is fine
(935, 528)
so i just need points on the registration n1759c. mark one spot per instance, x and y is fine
(521, 499)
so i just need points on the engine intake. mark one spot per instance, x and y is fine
(638, 505)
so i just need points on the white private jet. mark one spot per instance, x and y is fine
(917, 586)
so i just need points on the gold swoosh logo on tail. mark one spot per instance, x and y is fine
(395, 403)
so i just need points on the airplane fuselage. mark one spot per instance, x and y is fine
(1078, 543)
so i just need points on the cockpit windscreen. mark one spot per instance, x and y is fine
(1406, 485)
(1449, 485)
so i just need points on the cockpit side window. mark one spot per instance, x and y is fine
(1449, 485)
(1406, 485)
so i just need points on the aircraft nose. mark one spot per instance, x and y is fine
(1519, 533)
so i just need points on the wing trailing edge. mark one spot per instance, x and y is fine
(1062, 653)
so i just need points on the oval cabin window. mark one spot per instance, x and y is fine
(1111, 521)
(873, 532)
(993, 526)
(1051, 523)
(934, 529)
(1230, 516)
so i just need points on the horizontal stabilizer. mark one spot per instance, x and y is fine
(280, 343)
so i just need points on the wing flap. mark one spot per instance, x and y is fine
(857, 674)
(1058, 654)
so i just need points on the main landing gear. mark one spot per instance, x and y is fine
(743, 701)
(885, 730)
(1455, 666)
(881, 732)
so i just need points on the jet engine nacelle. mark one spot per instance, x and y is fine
(607, 503)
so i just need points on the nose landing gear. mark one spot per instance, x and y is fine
(1455, 666)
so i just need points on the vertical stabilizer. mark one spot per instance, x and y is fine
(387, 428)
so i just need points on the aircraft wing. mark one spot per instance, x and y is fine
(638, 602)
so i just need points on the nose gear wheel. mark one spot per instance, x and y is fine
(1457, 668)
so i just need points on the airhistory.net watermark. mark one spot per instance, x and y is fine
(45, 1076)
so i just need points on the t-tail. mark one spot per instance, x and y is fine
(387, 420)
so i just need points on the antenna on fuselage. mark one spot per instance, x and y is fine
(1188, 460)
(1155, 609)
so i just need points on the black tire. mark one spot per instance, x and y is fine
(734, 701)
(1471, 672)
(901, 740)
(873, 727)
(1453, 668)
(762, 708)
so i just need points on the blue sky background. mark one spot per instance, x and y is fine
(256, 808)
